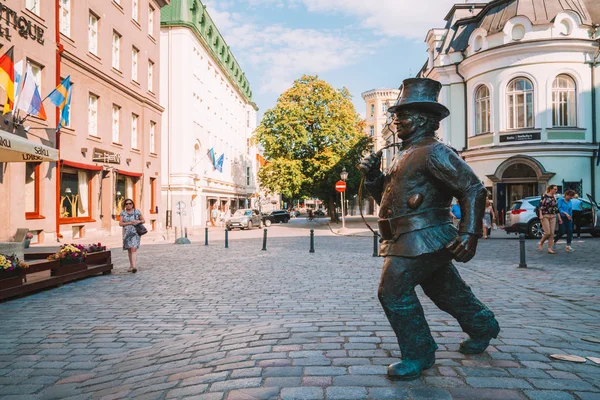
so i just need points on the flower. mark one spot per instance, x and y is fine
(10, 263)
(71, 252)
(29, 236)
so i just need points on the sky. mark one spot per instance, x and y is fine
(359, 44)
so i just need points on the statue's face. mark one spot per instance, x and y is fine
(405, 123)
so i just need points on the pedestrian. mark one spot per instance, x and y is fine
(577, 206)
(565, 213)
(488, 219)
(456, 214)
(213, 216)
(548, 211)
(221, 217)
(129, 218)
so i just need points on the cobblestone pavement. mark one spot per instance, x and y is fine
(205, 322)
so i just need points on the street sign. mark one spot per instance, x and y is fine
(340, 186)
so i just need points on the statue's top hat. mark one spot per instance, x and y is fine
(421, 93)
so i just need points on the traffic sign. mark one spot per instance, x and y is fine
(340, 186)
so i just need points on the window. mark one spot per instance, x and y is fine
(564, 101)
(134, 63)
(33, 5)
(116, 123)
(152, 137)
(36, 70)
(125, 190)
(32, 190)
(372, 130)
(92, 115)
(384, 107)
(520, 104)
(151, 21)
(75, 188)
(93, 34)
(135, 10)
(116, 51)
(482, 110)
(150, 76)
(372, 109)
(134, 131)
(153, 209)
(248, 119)
(65, 17)
(247, 176)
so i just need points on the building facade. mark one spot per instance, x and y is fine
(521, 79)
(209, 161)
(110, 149)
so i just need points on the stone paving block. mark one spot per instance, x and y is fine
(325, 371)
(322, 381)
(281, 371)
(548, 395)
(349, 361)
(188, 374)
(499, 383)
(208, 378)
(563, 384)
(368, 370)
(388, 393)
(292, 381)
(429, 394)
(281, 362)
(528, 373)
(186, 391)
(265, 393)
(235, 384)
(239, 365)
(246, 373)
(444, 381)
(487, 394)
(470, 371)
(302, 393)
(346, 393)
(361, 380)
(312, 361)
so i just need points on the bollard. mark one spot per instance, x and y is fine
(226, 238)
(312, 241)
(265, 240)
(206, 236)
(375, 247)
(186, 233)
(523, 262)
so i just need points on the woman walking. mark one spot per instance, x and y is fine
(548, 211)
(130, 217)
(488, 219)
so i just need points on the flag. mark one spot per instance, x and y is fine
(18, 79)
(30, 100)
(65, 115)
(212, 157)
(219, 163)
(59, 95)
(7, 78)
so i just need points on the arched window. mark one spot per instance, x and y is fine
(519, 98)
(564, 101)
(482, 110)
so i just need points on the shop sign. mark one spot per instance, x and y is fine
(10, 19)
(520, 137)
(105, 156)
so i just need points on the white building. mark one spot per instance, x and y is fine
(208, 109)
(521, 80)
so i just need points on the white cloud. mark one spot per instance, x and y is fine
(283, 54)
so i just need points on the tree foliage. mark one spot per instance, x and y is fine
(311, 133)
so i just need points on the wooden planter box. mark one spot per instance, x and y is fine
(10, 279)
(68, 269)
(100, 257)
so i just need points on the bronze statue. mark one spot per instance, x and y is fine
(418, 239)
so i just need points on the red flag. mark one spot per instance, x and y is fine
(7, 78)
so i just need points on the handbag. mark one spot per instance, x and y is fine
(140, 229)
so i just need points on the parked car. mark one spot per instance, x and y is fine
(244, 218)
(319, 213)
(275, 216)
(521, 217)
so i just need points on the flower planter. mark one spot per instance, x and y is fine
(66, 269)
(10, 279)
(99, 257)
(26, 243)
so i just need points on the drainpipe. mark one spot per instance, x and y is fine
(594, 118)
(466, 103)
(59, 50)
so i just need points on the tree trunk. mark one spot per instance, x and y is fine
(332, 214)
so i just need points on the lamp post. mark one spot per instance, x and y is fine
(344, 177)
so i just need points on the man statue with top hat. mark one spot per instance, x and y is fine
(418, 239)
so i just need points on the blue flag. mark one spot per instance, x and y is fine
(219, 164)
(211, 152)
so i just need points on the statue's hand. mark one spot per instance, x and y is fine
(370, 163)
(463, 247)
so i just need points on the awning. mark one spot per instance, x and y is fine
(131, 174)
(81, 166)
(14, 148)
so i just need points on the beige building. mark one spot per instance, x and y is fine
(111, 148)
(378, 101)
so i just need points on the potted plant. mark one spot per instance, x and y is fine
(27, 241)
(97, 254)
(11, 271)
(71, 257)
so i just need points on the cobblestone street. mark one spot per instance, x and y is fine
(206, 322)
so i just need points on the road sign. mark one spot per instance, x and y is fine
(340, 186)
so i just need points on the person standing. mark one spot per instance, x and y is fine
(455, 214)
(488, 219)
(577, 206)
(213, 216)
(548, 210)
(565, 213)
(129, 218)
(418, 240)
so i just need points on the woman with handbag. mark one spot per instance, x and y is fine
(132, 222)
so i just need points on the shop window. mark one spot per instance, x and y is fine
(75, 194)
(520, 104)
(482, 110)
(125, 190)
(65, 17)
(153, 209)
(564, 102)
(32, 190)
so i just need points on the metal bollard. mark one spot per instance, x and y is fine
(265, 240)
(206, 236)
(186, 233)
(312, 241)
(523, 262)
(226, 238)
(375, 247)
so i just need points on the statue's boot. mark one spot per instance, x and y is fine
(410, 369)
(477, 345)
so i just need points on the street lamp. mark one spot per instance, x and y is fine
(344, 177)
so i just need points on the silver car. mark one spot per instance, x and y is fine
(244, 218)
(522, 217)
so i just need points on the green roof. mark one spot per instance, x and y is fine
(192, 14)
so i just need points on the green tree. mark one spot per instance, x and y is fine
(310, 134)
